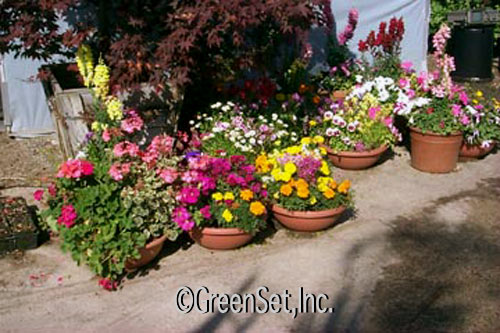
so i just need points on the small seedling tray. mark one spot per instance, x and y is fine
(17, 228)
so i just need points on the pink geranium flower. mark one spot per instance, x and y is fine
(132, 124)
(37, 195)
(52, 189)
(169, 175)
(68, 216)
(124, 148)
(108, 284)
(75, 168)
(106, 135)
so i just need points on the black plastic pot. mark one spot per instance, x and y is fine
(472, 47)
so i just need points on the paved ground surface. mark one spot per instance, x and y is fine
(421, 253)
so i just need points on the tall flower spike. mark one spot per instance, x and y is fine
(101, 80)
(85, 64)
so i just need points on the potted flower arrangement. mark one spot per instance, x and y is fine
(221, 202)
(304, 195)
(436, 127)
(483, 129)
(111, 205)
(232, 129)
(359, 130)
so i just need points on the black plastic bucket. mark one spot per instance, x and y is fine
(472, 47)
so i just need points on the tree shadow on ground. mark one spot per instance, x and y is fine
(447, 278)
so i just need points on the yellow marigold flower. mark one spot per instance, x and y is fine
(312, 123)
(479, 93)
(85, 64)
(322, 187)
(318, 139)
(114, 108)
(322, 151)
(303, 192)
(101, 79)
(329, 193)
(313, 200)
(262, 164)
(286, 189)
(324, 168)
(280, 97)
(257, 208)
(227, 215)
(276, 195)
(344, 186)
(290, 168)
(306, 140)
(293, 150)
(217, 196)
(228, 196)
(246, 195)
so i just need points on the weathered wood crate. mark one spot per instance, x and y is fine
(72, 108)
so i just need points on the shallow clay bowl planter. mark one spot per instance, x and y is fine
(353, 160)
(434, 153)
(220, 238)
(148, 253)
(475, 151)
(307, 221)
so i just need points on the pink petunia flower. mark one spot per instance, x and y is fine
(205, 211)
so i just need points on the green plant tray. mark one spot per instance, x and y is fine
(17, 228)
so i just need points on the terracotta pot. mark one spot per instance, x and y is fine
(148, 253)
(353, 160)
(435, 153)
(307, 221)
(220, 238)
(339, 95)
(475, 151)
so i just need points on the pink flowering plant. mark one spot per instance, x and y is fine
(221, 192)
(446, 109)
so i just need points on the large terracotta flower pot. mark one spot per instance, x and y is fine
(475, 151)
(353, 160)
(435, 153)
(220, 238)
(148, 253)
(307, 221)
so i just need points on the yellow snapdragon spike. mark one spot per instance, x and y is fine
(85, 64)
(114, 108)
(101, 79)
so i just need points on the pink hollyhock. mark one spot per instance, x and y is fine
(205, 211)
(183, 219)
(132, 124)
(189, 195)
(68, 216)
(108, 284)
(75, 168)
(37, 195)
(169, 175)
(106, 135)
(52, 189)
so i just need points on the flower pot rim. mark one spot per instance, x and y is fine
(155, 242)
(220, 231)
(419, 131)
(307, 214)
(367, 153)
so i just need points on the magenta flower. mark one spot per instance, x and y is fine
(37, 195)
(465, 120)
(75, 168)
(52, 189)
(189, 195)
(407, 66)
(108, 284)
(456, 110)
(205, 211)
(372, 112)
(68, 216)
(183, 218)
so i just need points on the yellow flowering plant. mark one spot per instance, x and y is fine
(299, 178)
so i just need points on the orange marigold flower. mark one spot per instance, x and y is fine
(344, 186)
(333, 184)
(316, 99)
(286, 190)
(262, 164)
(329, 193)
(257, 208)
(246, 195)
(301, 183)
(302, 88)
(303, 192)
